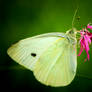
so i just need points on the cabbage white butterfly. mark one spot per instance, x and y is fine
(52, 57)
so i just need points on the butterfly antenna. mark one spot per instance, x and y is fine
(74, 17)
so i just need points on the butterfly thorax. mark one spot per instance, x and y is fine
(71, 35)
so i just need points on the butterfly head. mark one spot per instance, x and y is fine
(72, 32)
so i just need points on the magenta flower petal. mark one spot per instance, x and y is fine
(81, 49)
(88, 39)
(82, 46)
(86, 43)
(86, 47)
(89, 26)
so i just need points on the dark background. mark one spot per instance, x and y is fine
(20, 19)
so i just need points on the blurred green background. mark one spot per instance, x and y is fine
(20, 19)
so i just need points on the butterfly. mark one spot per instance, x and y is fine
(51, 57)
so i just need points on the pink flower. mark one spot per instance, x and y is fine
(85, 40)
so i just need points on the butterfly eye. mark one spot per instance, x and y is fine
(71, 32)
(33, 54)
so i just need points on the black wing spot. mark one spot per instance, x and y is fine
(33, 54)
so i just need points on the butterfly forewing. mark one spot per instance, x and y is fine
(26, 52)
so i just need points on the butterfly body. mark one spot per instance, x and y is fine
(52, 57)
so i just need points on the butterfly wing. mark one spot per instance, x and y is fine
(57, 65)
(50, 56)
(27, 52)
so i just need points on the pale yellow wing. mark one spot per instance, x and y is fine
(57, 65)
(27, 52)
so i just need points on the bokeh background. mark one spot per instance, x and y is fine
(20, 19)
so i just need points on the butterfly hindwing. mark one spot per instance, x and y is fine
(57, 65)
